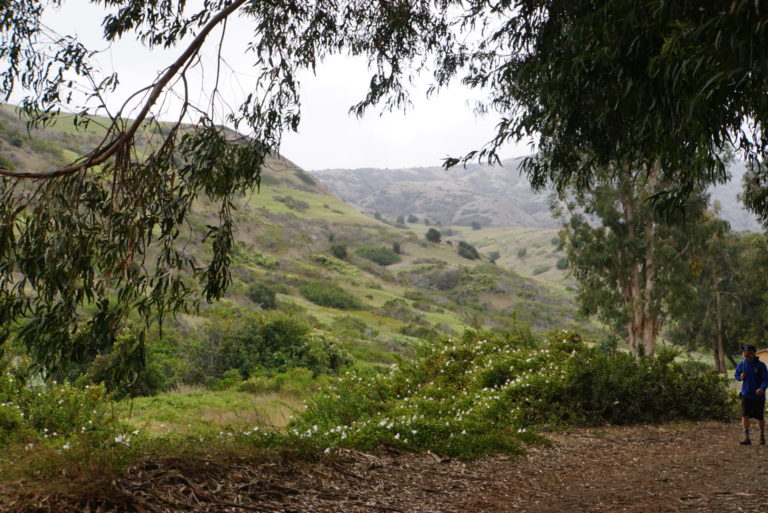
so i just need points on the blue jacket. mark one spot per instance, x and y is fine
(756, 377)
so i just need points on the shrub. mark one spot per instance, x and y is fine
(261, 343)
(468, 251)
(562, 264)
(262, 295)
(541, 270)
(328, 294)
(339, 251)
(494, 255)
(522, 252)
(476, 225)
(32, 410)
(412, 218)
(489, 392)
(380, 255)
(400, 220)
(554, 241)
(433, 235)
(397, 248)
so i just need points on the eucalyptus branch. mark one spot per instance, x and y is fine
(103, 153)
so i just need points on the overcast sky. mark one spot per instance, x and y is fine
(328, 136)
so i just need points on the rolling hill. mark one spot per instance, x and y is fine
(495, 196)
(286, 233)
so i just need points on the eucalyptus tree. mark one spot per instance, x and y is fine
(629, 263)
(657, 86)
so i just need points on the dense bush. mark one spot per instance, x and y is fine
(31, 410)
(468, 251)
(494, 255)
(562, 264)
(433, 235)
(260, 343)
(488, 393)
(380, 255)
(522, 252)
(329, 294)
(263, 295)
(339, 251)
(540, 270)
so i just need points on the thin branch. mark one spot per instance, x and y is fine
(102, 154)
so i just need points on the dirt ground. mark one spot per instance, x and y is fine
(648, 469)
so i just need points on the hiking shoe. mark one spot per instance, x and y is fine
(746, 441)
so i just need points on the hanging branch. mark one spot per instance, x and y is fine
(103, 152)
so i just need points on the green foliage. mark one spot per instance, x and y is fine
(494, 255)
(562, 264)
(476, 225)
(292, 203)
(339, 251)
(397, 248)
(400, 220)
(468, 251)
(554, 241)
(380, 255)
(633, 265)
(522, 252)
(329, 294)
(487, 392)
(262, 295)
(433, 235)
(259, 343)
(412, 219)
(540, 270)
(33, 411)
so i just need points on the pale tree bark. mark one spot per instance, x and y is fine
(644, 322)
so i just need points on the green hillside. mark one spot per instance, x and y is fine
(285, 232)
(316, 256)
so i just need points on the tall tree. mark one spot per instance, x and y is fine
(627, 261)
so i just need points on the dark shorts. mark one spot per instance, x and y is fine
(753, 408)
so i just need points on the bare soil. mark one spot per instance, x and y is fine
(696, 467)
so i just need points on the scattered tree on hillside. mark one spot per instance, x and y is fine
(476, 225)
(412, 219)
(433, 235)
(467, 250)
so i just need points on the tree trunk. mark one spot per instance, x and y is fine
(719, 349)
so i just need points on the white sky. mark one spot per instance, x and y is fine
(328, 136)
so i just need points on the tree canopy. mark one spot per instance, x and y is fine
(611, 84)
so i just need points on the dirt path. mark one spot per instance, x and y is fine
(648, 469)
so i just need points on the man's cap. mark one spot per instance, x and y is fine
(749, 347)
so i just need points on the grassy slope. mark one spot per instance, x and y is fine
(283, 238)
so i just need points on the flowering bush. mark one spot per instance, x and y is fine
(30, 411)
(489, 393)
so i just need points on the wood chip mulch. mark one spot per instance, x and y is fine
(640, 469)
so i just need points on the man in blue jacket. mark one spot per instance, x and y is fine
(753, 375)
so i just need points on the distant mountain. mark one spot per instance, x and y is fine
(484, 194)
